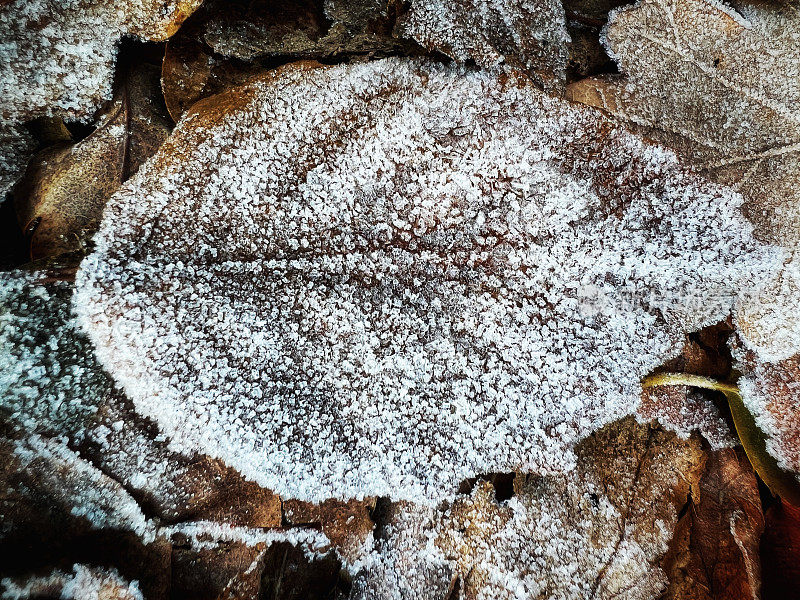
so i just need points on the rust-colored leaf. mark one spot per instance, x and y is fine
(714, 554)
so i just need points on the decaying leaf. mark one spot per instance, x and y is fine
(760, 437)
(61, 198)
(598, 532)
(527, 34)
(714, 554)
(58, 58)
(191, 70)
(83, 583)
(343, 288)
(723, 88)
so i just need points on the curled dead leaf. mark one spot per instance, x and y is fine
(60, 200)
(714, 553)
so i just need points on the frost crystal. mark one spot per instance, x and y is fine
(385, 278)
(57, 56)
(530, 34)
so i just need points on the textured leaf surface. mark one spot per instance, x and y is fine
(598, 532)
(528, 34)
(344, 288)
(723, 88)
(60, 200)
(715, 550)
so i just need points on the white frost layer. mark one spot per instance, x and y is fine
(84, 583)
(49, 380)
(207, 534)
(385, 278)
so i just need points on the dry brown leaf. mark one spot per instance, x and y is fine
(597, 532)
(61, 198)
(530, 35)
(191, 71)
(714, 554)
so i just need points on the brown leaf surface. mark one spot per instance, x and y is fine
(714, 554)
(597, 532)
(60, 200)
(347, 524)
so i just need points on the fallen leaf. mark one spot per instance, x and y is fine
(191, 71)
(723, 88)
(374, 266)
(61, 198)
(61, 62)
(714, 554)
(530, 35)
(757, 436)
(599, 531)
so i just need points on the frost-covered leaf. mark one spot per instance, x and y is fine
(57, 56)
(61, 198)
(598, 532)
(50, 382)
(771, 393)
(346, 288)
(48, 468)
(723, 88)
(83, 583)
(758, 434)
(684, 409)
(714, 554)
(527, 34)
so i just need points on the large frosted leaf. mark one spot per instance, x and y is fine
(382, 279)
